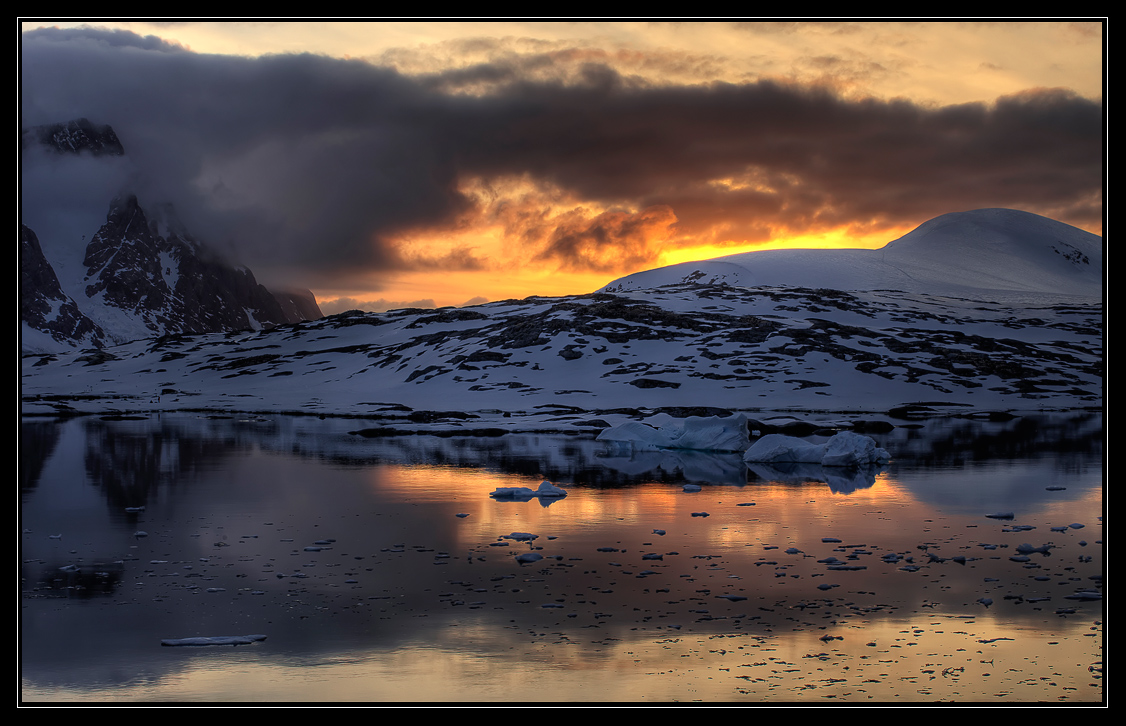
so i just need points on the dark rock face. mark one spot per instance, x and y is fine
(160, 279)
(298, 305)
(43, 304)
(72, 137)
(174, 284)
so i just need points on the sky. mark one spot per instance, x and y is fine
(388, 164)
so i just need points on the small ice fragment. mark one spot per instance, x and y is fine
(659, 531)
(829, 539)
(1001, 515)
(1075, 525)
(529, 557)
(700, 514)
(692, 487)
(463, 515)
(986, 601)
(215, 640)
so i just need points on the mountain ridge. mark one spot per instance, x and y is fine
(141, 274)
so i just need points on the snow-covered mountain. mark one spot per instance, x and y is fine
(686, 344)
(983, 249)
(141, 273)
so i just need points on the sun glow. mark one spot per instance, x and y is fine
(840, 238)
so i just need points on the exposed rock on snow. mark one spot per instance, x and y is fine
(737, 345)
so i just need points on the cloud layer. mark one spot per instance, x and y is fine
(320, 166)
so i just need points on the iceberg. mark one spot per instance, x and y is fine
(699, 433)
(844, 449)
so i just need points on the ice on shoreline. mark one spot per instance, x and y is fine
(698, 433)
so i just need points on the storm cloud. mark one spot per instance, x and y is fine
(305, 162)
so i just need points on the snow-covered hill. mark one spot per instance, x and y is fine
(696, 345)
(958, 253)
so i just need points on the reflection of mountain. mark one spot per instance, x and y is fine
(37, 443)
(958, 441)
(131, 459)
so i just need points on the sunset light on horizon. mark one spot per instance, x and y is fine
(426, 164)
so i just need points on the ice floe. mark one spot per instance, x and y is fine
(845, 449)
(215, 640)
(546, 490)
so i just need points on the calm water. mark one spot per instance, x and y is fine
(800, 586)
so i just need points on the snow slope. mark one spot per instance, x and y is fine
(955, 254)
(680, 343)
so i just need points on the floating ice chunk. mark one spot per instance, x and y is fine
(529, 557)
(1025, 548)
(521, 536)
(692, 487)
(463, 515)
(843, 449)
(779, 448)
(1001, 515)
(215, 640)
(699, 433)
(849, 449)
(546, 490)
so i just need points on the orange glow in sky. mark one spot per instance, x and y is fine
(633, 175)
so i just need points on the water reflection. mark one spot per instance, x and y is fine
(350, 555)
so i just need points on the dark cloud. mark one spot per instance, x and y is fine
(310, 162)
